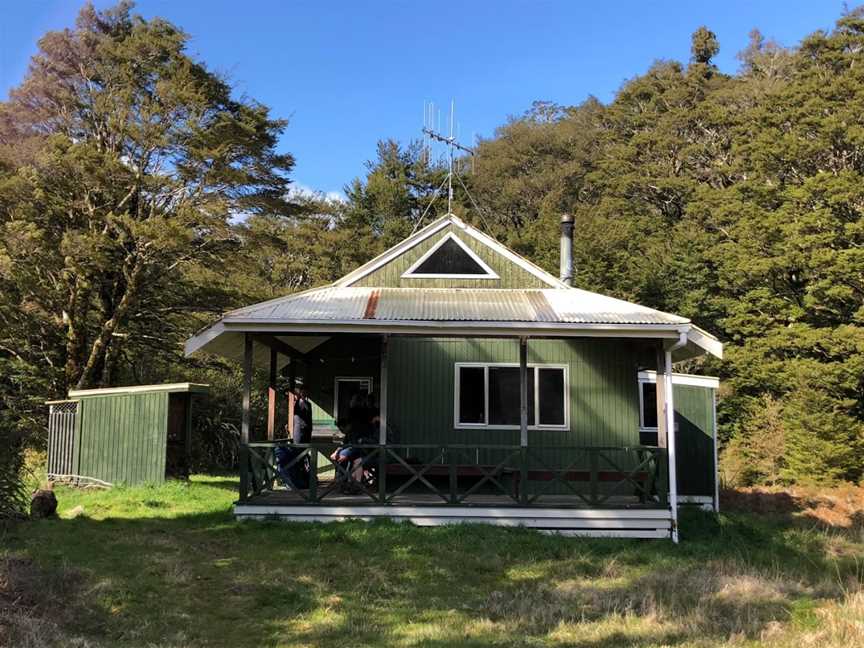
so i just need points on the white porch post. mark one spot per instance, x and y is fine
(247, 388)
(382, 397)
(716, 465)
(523, 419)
(670, 441)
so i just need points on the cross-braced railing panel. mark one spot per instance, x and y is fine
(452, 474)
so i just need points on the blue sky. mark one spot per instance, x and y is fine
(349, 73)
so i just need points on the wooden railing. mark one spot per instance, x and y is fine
(460, 475)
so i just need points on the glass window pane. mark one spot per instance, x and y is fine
(471, 397)
(504, 396)
(649, 405)
(551, 386)
(450, 258)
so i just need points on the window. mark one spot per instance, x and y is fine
(450, 258)
(346, 388)
(487, 396)
(648, 405)
(472, 395)
(504, 396)
(550, 382)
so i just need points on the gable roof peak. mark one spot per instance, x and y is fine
(433, 228)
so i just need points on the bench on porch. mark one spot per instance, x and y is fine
(644, 479)
(473, 471)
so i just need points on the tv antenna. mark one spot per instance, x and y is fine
(430, 116)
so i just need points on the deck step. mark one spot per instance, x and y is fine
(634, 523)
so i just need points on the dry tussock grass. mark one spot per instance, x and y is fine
(841, 507)
(717, 602)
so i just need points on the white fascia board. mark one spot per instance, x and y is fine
(532, 329)
(705, 340)
(489, 273)
(398, 249)
(138, 389)
(203, 337)
(710, 382)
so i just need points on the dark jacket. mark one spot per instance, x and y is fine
(359, 429)
(302, 421)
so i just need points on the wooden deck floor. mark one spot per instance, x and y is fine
(335, 498)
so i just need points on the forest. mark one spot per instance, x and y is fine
(141, 197)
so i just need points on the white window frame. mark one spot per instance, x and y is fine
(642, 426)
(411, 273)
(650, 377)
(457, 424)
(336, 381)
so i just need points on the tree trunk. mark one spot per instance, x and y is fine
(76, 330)
(103, 341)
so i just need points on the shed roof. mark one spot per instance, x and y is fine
(140, 389)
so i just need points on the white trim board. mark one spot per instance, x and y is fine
(575, 522)
(458, 511)
(488, 273)
(705, 502)
(139, 389)
(710, 382)
(427, 328)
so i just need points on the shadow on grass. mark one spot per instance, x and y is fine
(205, 579)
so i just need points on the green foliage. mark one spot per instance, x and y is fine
(13, 496)
(733, 200)
(123, 161)
(386, 206)
(704, 45)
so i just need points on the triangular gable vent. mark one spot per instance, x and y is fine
(450, 258)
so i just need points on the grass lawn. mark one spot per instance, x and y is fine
(168, 566)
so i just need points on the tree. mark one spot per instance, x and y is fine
(397, 192)
(122, 161)
(704, 45)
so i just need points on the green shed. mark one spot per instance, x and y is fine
(122, 435)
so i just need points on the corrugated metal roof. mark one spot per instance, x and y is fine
(553, 305)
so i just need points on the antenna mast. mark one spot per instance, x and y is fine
(452, 146)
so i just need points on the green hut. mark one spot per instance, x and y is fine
(502, 395)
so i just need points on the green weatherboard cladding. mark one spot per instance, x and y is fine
(133, 436)
(511, 275)
(603, 394)
(694, 415)
(603, 402)
(122, 438)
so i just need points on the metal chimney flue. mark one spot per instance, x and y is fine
(567, 249)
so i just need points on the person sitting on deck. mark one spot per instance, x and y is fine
(358, 429)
